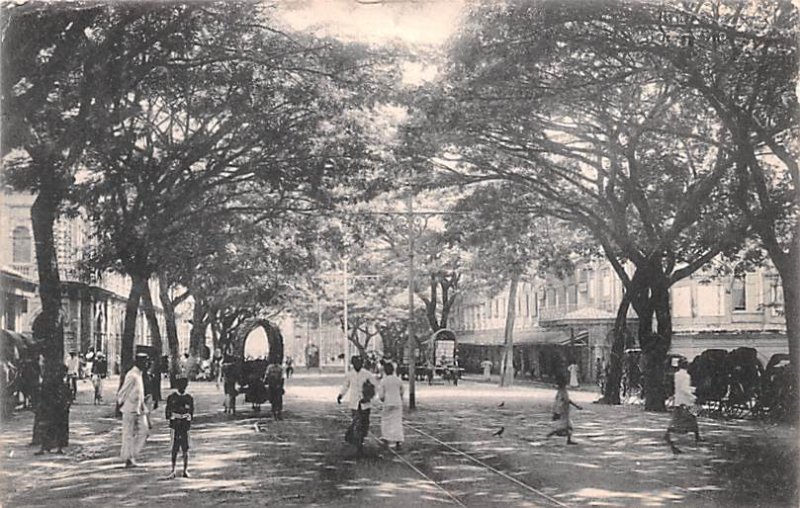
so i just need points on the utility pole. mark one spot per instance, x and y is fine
(411, 344)
(346, 324)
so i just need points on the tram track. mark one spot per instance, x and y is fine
(529, 489)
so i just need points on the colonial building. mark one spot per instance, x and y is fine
(572, 317)
(93, 308)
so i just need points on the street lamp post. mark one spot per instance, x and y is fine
(411, 341)
(346, 324)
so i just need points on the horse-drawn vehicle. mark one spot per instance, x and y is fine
(248, 357)
(436, 356)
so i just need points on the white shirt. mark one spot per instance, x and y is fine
(73, 365)
(390, 391)
(131, 395)
(684, 391)
(353, 384)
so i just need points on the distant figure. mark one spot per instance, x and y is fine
(179, 412)
(289, 367)
(599, 373)
(486, 365)
(573, 375)
(562, 424)
(359, 398)
(131, 400)
(99, 372)
(73, 372)
(55, 400)
(390, 391)
(275, 390)
(683, 420)
(229, 385)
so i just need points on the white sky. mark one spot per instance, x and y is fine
(427, 22)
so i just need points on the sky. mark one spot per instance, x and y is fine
(426, 22)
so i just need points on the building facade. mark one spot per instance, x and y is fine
(572, 318)
(93, 307)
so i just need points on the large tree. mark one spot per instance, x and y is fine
(508, 243)
(640, 164)
(237, 105)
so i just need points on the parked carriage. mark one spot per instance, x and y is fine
(436, 357)
(728, 383)
(252, 351)
(778, 392)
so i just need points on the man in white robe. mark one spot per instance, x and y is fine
(131, 400)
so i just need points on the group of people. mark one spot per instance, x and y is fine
(361, 387)
(136, 406)
(259, 385)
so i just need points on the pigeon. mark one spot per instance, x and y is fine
(499, 432)
(502, 404)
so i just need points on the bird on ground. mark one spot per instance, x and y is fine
(501, 404)
(499, 432)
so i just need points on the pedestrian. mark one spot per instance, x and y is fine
(562, 424)
(275, 390)
(289, 367)
(573, 375)
(486, 365)
(390, 391)
(683, 420)
(55, 401)
(99, 372)
(229, 386)
(598, 372)
(180, 412)
(73, 371)
(360, 386)
(135, 421)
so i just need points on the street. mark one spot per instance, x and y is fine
(450, 456)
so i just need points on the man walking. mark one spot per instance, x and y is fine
(683, 421)
(131, 400)
(359, 397)
(73, 371)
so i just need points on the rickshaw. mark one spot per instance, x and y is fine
(778, 394)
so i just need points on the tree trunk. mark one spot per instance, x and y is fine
(614, 377)
(789, 271)
(152, 321)
(507, 370)
(655, 346)
(172, 330)
(197, 337)
(49, 326)
(138, 287)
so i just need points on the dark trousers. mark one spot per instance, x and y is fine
(359, 427)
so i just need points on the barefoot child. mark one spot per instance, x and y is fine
(179, 412)
(562, 425)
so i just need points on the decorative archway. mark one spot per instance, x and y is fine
(259, 330)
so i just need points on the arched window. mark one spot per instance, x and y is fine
(21, 240)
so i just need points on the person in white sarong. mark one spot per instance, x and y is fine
(131, 400)
(390, 392)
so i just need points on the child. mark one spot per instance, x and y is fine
(562, 425)
(390, 391)
(179, 412)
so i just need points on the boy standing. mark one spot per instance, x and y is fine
(179, 412)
